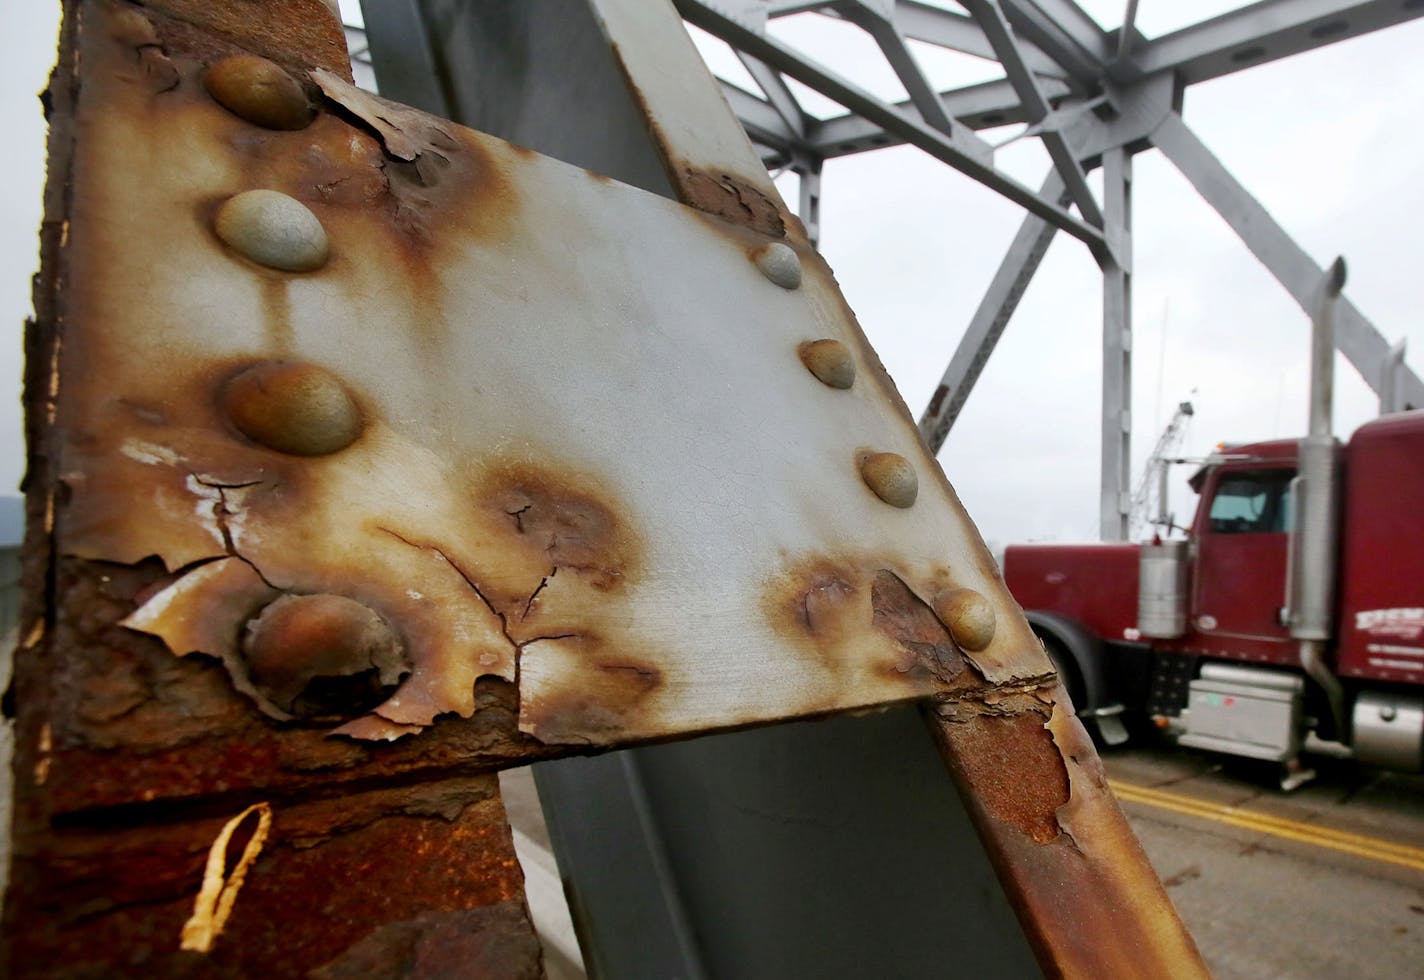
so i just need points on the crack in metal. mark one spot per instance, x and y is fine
(474, 587)
(221, 512)
(528, 606)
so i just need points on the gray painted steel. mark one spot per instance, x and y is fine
(990, 319)
(1355, 337)
(1053, 40)
(533, 72)
(1259, 33)
(991, 18)
(828, 849)
(831, 849)
(1115, 501)
(960, 148)
(1084, 92)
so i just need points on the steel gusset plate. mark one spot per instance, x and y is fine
(543, 427)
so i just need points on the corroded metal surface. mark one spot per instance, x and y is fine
(1089, 902)
(416, 882)
(508, 461)
(588, 458)
(162, 827)
(128, 722)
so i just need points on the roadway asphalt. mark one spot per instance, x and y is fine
(1323, 882)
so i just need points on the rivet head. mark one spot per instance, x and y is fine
(321, 656)
(891, 477)
(780, 264)
(272, 229)
(830, 361)
(259, 91)
(299, 409)
(968, 615)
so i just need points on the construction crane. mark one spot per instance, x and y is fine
(1154, 474)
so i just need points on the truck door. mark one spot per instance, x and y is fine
(1242, 539)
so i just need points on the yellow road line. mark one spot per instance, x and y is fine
(1149, 795)
(1327, 837)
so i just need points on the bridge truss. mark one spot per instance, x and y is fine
(1094, 98)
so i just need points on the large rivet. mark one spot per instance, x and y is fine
(780, 264)
(293, 408)
(259, 91)
(830, 361)
(891, 477)
(273, 229)
(322, 655)
(968, 615)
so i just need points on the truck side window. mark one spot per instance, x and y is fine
(1252, 503)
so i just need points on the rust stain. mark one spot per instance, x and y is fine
(1014, 769)
(299, 34)
(134, 31)
(184, 729)
(861, 622)
(905, 618)
(729, 197)
(820, 601)
(563, 521)
(155, 468)
(494, 941)
(344, 885)
(277, 308)
(436, 179)
(715, 192)
(323, 657)
(406, 133)
(594, 705)
(1088, 900)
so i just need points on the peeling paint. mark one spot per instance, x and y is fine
(221, 886)
(1084, 892)
(521, 502)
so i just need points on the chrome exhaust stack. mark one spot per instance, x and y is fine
(1310, 597)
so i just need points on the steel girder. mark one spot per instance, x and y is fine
(1062, 72)
(1264, 32)
(957, 146)
(1058, 60)
(1355, 337)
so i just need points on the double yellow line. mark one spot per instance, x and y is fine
(1304, 833)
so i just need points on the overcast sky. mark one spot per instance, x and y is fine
(1328, 141)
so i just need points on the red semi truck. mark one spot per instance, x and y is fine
(1201, 634)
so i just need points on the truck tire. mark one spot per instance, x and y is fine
(1078, 655)
(1069, 674)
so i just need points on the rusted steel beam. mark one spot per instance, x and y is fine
(160, 827)
(1088, 901)
(416, 881)
(336, 411)
(359, 468)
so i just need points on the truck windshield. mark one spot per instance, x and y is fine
(1252, 503)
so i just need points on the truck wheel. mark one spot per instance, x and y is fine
(1066, 668)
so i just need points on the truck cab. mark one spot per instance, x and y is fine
(1195, 633)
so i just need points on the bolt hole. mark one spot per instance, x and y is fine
(992, 118)
(1329, 29)
(1252, 53)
